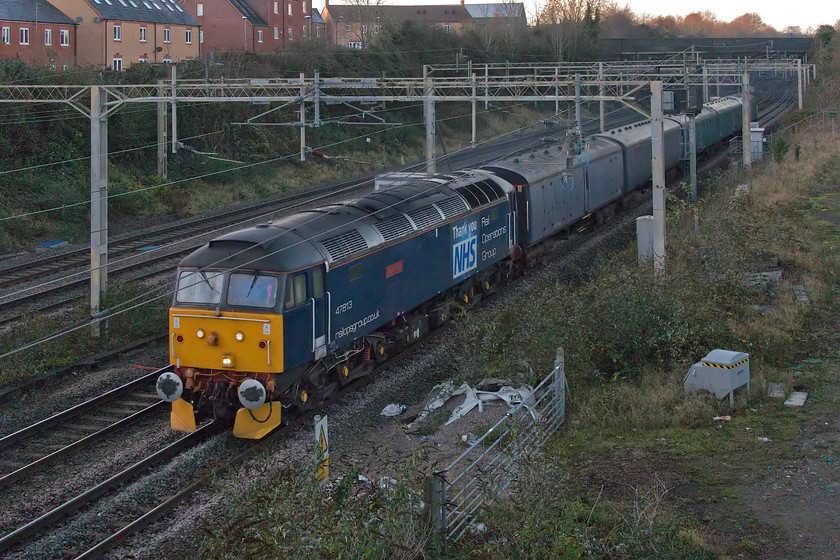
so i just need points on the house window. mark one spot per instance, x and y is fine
(364, 30)
(447, 28)
(24, 35)
(291, 34)
(7, 35)
(290, 9)
(143, 59)
(277, 7)
(199, 10)
(118, 33)
(259, 36)
(167, 35)
(318, 32)
(142, 34)
(201, 36)
(276, 32)
(64, 37)
(355, 44)
(189, 36)
(48, 37)
(167, 60)
(303, 33)
(116, 66)
(346, 28)
(304, 7)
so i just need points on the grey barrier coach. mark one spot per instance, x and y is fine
(458, 494)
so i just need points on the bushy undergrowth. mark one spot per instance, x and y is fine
(292, 516)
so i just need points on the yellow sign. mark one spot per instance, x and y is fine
(322, 469)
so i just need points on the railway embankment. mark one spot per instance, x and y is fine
(640, 469)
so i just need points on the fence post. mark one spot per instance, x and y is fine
(436, 500)
(560, 382)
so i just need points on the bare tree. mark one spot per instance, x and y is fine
(570, 24)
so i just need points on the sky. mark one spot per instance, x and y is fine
(778, 13)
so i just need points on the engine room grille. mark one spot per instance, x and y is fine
(345, 244)
(425, 217)
(452, 207)
(394, 227)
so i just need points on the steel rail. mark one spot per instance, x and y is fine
(48, 519)
(77, 445)
(80, 408)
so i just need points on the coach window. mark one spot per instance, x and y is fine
(295, 290)
(253, 290)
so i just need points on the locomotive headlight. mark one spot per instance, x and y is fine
(169, 387)
(227, 361)
(199, 333)
(251, 394)
(240, 336)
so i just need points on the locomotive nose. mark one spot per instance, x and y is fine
(169, 387)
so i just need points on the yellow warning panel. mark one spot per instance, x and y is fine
(322, 439)
(182, 418)
(257, 423)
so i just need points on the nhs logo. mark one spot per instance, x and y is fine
(464, 248)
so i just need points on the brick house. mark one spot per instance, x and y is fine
(37, 33)
(319, 26)
(251, 25)
(119, 33)
(354, 25)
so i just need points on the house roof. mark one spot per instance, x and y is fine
(316, 16)
(247, 12)
(420, 14)
(504, 10)
(151, 11)
(24, 10)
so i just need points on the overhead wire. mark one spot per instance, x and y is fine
(169, 292)
(118, 261)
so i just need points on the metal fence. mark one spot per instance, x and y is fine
(459, 493)
(825, 119)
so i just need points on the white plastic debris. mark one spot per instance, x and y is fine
(439, 395)
(392, 410)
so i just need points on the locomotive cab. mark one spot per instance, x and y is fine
(225, 327)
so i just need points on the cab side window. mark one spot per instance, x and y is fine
(295, 290)
(318, 282)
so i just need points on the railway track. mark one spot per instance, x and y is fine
(33, 448)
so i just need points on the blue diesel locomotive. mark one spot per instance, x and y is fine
(283, 314)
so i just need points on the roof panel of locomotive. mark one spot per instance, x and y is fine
(304, 239)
